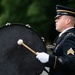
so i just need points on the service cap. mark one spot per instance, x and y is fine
(63, 10)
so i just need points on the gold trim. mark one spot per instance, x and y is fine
(55, 61)
(66, 11)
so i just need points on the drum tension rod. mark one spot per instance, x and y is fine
(20, 42)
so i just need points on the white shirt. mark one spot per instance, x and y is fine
(65, 31)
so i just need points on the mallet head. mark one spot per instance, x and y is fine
(20, 41)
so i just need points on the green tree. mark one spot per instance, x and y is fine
(38, 13)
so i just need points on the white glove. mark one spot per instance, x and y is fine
(42, 57)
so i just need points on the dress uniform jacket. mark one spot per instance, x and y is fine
(62, 60)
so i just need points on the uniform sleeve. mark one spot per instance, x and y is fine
(67, 59)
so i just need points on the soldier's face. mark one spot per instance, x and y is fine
(60, 23)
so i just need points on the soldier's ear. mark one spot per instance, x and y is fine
(68, 20)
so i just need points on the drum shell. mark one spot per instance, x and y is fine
(16, 59)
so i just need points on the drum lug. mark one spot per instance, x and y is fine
(43, 39)
(27, 25)
(8, 24)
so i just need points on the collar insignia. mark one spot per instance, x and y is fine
(70, 51)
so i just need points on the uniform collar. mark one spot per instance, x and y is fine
(65, 31)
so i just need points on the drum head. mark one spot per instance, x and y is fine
(16, 59)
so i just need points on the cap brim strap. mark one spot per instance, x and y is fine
(65, 11)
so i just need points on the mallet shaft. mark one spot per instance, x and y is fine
(29, 48)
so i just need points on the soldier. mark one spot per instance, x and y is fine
(62, 59)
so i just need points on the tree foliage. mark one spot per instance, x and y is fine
(38, 13)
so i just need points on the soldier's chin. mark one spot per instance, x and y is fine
(57, 29)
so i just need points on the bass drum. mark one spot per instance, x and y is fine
(16, 59)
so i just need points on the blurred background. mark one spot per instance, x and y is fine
(39, 14)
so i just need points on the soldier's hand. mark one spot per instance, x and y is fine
(42, 57)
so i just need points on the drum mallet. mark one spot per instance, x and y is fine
(20, 42)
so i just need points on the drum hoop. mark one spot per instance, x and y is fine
(22, 24)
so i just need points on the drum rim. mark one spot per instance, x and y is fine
(22, 24)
